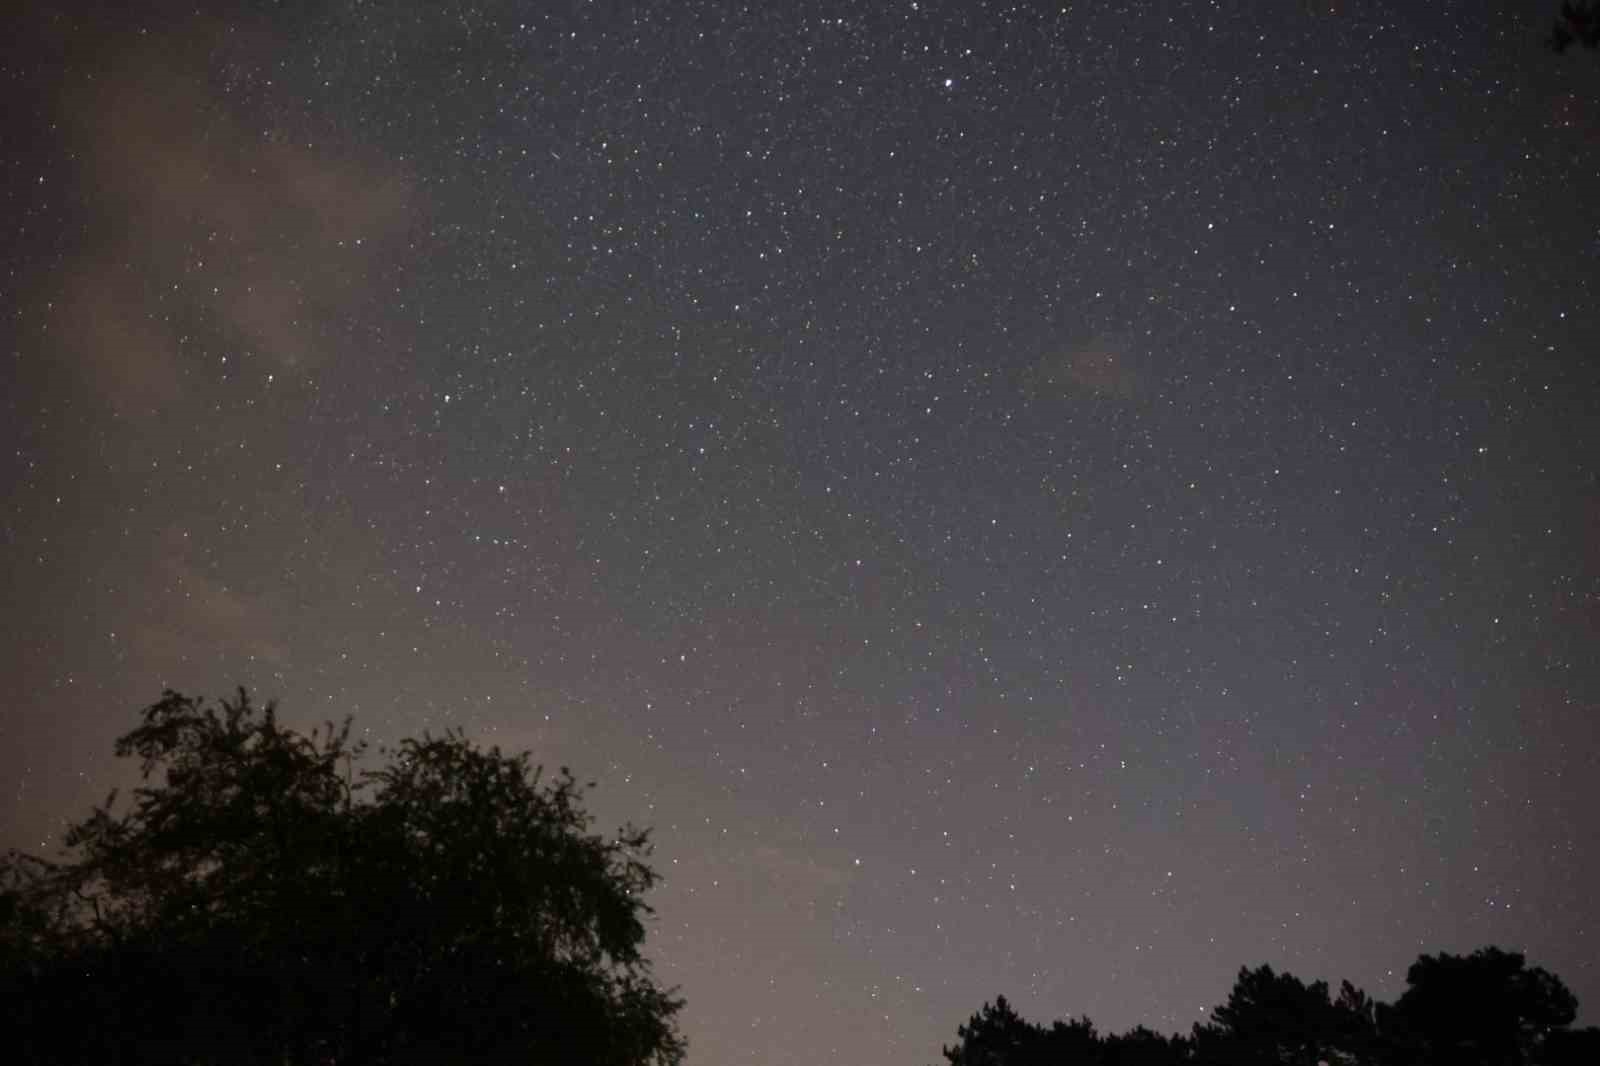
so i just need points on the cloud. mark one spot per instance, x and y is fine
(208, 232)
(195, 615)
(799, 874)
(1101, 367)
(115, 340)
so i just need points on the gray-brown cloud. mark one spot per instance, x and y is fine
(1100, 367)
(194, 613)
(207, 231)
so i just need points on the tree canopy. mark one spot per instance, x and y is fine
(262, 899)
(1485, 1009)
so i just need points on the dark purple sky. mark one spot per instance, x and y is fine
(1052, 500)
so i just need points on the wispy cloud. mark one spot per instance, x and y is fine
(206, 230)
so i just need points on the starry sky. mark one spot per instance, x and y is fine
(1059, 500)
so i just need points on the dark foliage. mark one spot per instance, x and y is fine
(1482, 1009)
(1275, 1018)
(261, 901)
(1485, 1008)
(997, 1036)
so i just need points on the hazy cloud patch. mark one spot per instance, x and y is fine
(207, 232)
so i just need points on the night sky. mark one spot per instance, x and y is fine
(1055, 500)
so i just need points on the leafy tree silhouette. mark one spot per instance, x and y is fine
(260, 901)
(1572, 1047)
(1486, 1008)
(1276, 1018)
(1143, 1047)
(995, 1036)
(998, 1036)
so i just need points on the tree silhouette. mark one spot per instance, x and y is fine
(1486, 1008)
(1143, 1047)
(1273, 1018)
(995, 1036)
(1571, 1047)
(260, 901)
(998, 1036)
